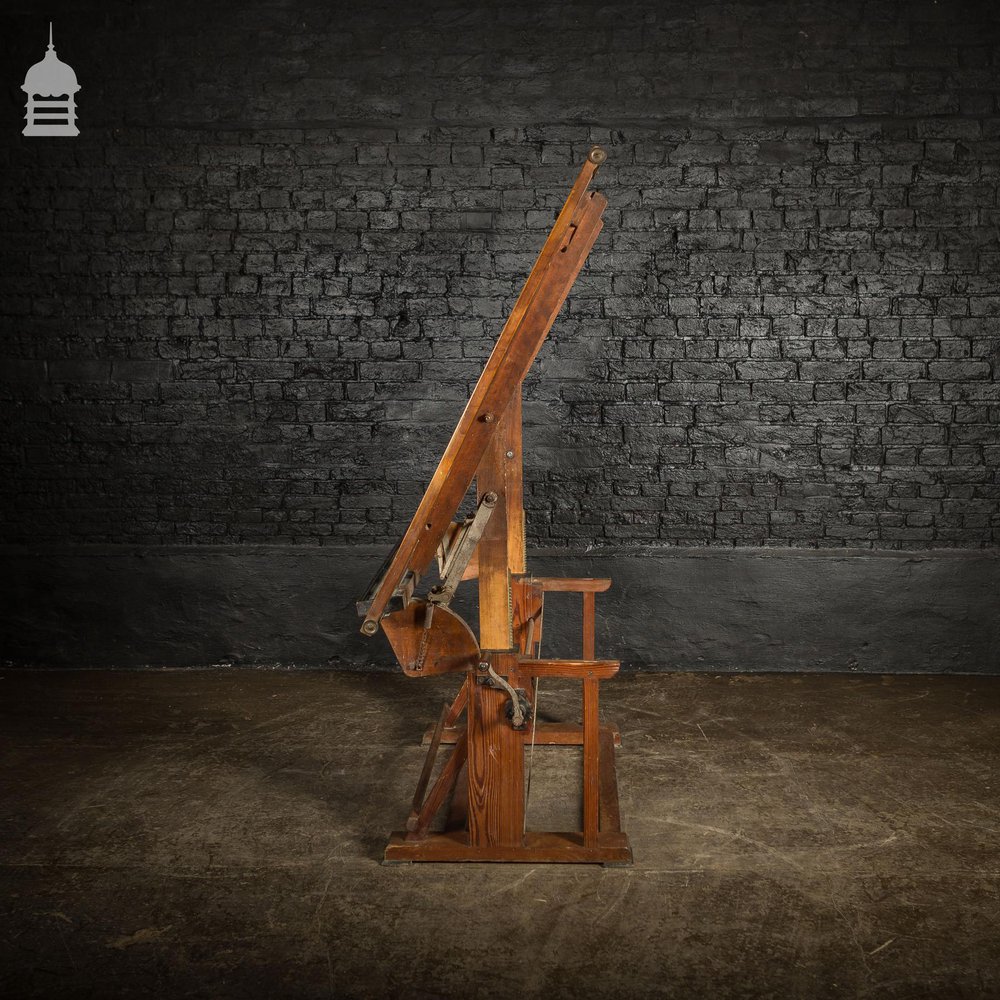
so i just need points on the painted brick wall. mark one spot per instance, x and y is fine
(249, 301)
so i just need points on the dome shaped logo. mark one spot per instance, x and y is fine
(51, 87)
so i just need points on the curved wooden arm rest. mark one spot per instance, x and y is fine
(580, 585)
(578, 669)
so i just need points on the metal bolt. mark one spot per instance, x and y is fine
(510, 454)
(489, 418)
(369, 628)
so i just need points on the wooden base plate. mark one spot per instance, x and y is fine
(550, 734)
(564, 848)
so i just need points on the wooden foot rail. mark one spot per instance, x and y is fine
(546, 734)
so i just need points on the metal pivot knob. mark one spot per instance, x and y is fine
(597, 155)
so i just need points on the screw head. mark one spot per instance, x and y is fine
(510, 454)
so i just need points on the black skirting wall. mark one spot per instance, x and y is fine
(680, 609)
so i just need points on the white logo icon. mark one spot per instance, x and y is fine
(50, 86)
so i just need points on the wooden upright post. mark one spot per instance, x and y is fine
(591, 732)
(591, 763)
(496, 751)
(513, 463)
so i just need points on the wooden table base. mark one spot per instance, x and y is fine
(609, 847)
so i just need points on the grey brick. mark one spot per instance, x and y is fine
(213, 323)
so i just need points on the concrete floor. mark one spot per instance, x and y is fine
(217, 834)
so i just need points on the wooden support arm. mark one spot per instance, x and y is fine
(575, 669)
(569, 585)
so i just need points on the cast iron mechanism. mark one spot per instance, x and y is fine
(454, 557)
(523, 709)
(518, 708)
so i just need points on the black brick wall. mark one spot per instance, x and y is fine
(249, 301)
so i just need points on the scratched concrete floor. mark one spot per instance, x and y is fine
(217, 834)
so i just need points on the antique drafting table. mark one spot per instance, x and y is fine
(482, 783)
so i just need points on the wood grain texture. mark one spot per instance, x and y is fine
(572, 585)
(425, 773)
(588, 625)
(511, 449)
(446, 647)
(457, 706)
(420, 819)
(552, 734)
(591, 763)
(495, 628)
(578, 669)
(495, 771)
(458, 808)
(526, 614)
(610, 815)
